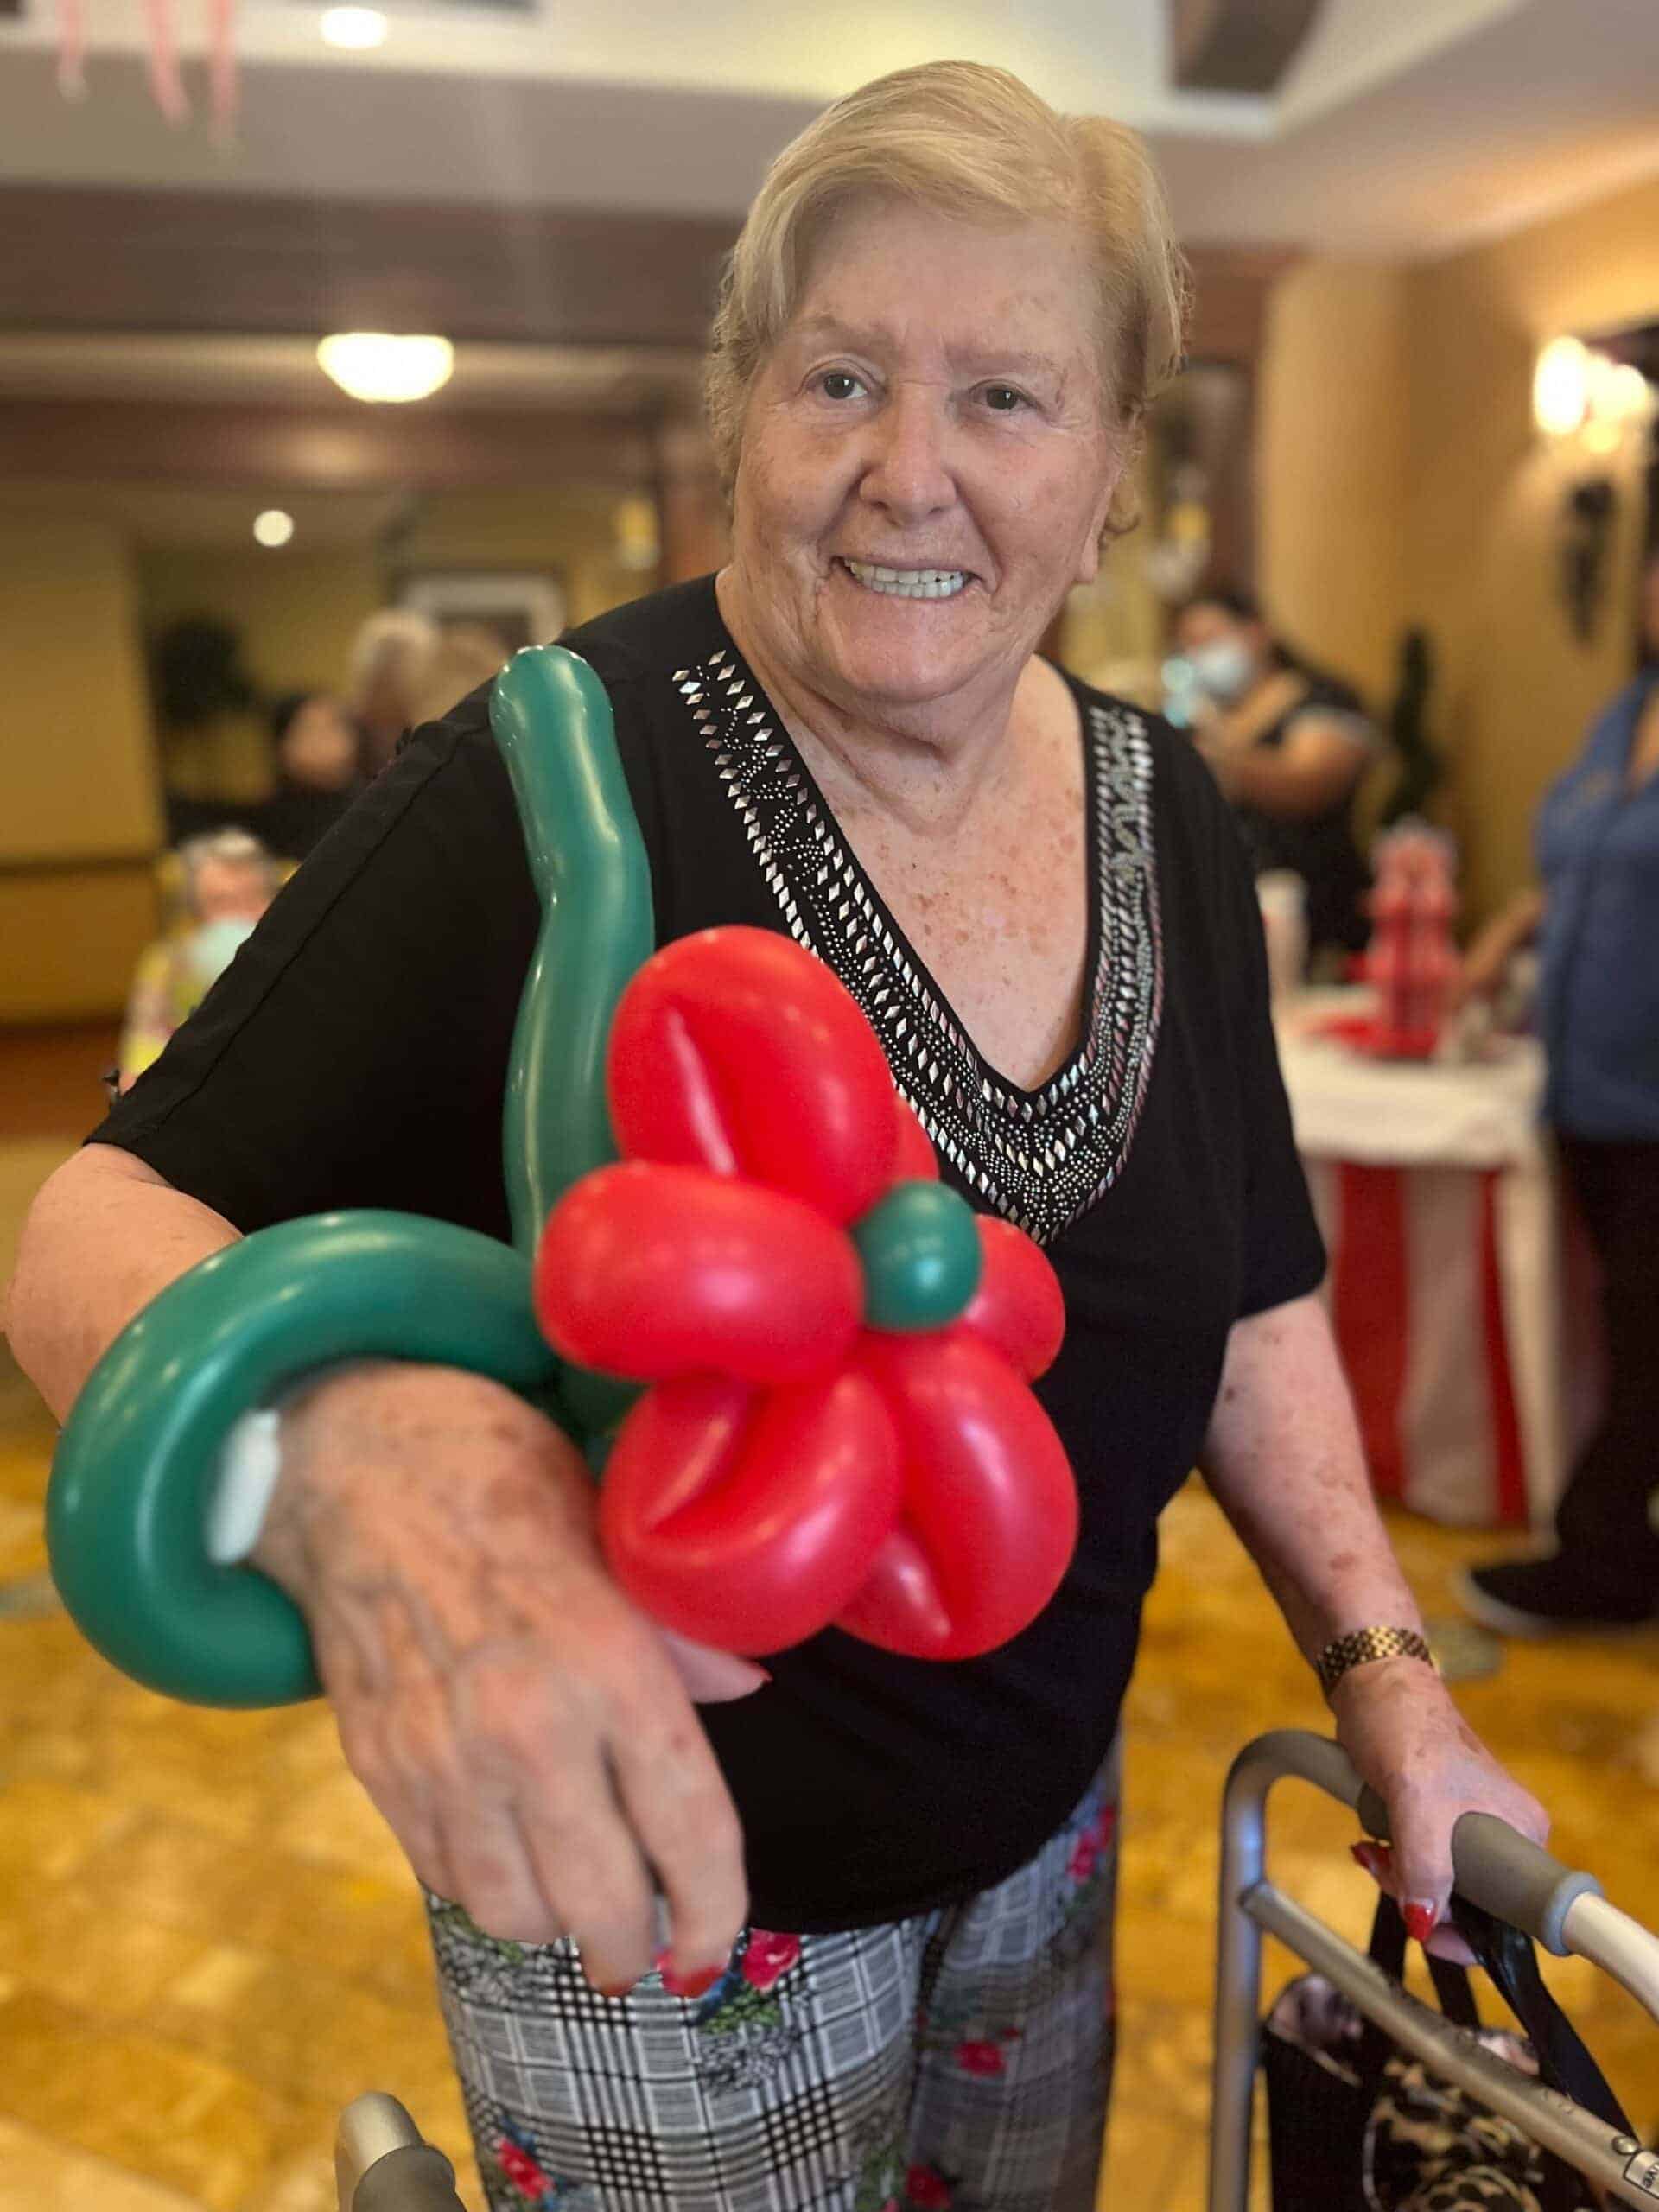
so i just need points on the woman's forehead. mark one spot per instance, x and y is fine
(876, 246)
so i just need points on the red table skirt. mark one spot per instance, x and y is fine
(1464, 1305)
(1417, 1302)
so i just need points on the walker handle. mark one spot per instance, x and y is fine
(382, 2164)
(1496, 1867)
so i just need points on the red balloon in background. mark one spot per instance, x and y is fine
(793, 1469)
(737, 1050)
(747, 1521)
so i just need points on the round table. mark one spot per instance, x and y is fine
(1435, 1188)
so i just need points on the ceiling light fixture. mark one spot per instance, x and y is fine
(273, 527)
(356, 29)
(373, 365)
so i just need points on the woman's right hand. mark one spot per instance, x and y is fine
(1486, 962)
(528, 1733)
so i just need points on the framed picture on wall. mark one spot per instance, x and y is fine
(525, 606)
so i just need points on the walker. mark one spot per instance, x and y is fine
(1512, 1878)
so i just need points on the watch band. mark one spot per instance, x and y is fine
(1361, 1645)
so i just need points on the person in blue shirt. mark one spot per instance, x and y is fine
(1596, 920)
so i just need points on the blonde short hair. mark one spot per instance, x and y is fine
(977, 143)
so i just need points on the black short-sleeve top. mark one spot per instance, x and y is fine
(355, 1055)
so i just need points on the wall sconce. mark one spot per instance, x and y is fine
(1590, 407)
(1581, 394)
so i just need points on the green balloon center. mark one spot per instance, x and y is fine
(920, 1253)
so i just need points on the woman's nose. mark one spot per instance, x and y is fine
(910, 472)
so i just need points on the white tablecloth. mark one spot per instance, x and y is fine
(1436, 1189)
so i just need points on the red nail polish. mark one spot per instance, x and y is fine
(690, 1985)
(1420, 1922)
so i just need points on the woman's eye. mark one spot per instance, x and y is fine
(839, 384)
(1002, 398)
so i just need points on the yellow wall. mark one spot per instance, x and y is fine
(1331, 460)
(1401, 481)
(1517, 687)
(70, 939)
(77, 779)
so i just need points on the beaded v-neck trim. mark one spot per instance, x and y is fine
(1040, 1157)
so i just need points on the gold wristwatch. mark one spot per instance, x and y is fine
(1344, 1652)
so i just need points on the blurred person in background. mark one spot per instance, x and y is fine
(466, 655)
(316, 746)
(226, 880)
(407, 669)
(1595, 920)
(1289, 744)
(391, 665)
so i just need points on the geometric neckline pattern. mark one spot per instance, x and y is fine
(1039, 1158)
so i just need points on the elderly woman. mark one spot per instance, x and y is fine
(883, 1887)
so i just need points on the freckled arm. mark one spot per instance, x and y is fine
(1284, 1459)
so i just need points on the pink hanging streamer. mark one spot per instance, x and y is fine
(165, 82)
(222, 20)
(72, 49)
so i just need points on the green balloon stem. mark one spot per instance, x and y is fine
(138, 1462)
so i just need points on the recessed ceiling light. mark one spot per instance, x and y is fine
(273, 527)
(354, 29)
(373, 365)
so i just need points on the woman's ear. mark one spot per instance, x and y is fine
(1088, 556)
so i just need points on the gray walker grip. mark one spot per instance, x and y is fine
(417, 2178)
(1501, 1870)
(382, 2163)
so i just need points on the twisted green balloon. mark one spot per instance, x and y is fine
(138, 1461)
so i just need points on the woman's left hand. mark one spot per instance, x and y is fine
(1398, 1724)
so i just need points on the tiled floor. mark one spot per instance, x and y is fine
(208, 1942)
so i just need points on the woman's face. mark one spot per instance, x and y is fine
(925, 467)
(1227, 655)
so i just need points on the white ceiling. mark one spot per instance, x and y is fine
(1406, 128)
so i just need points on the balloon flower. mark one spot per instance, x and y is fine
(837, 1426)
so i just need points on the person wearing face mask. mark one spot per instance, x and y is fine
(229, 879)
(1289, 745)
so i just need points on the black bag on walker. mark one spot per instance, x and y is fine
(1357, 2124)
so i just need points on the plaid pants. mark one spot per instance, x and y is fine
(961, 2058)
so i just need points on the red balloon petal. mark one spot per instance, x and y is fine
(990, 1513)
(747, 1522)
(736, 1050)
(914, 1159)
(652, 1272)
(1018, 1306)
